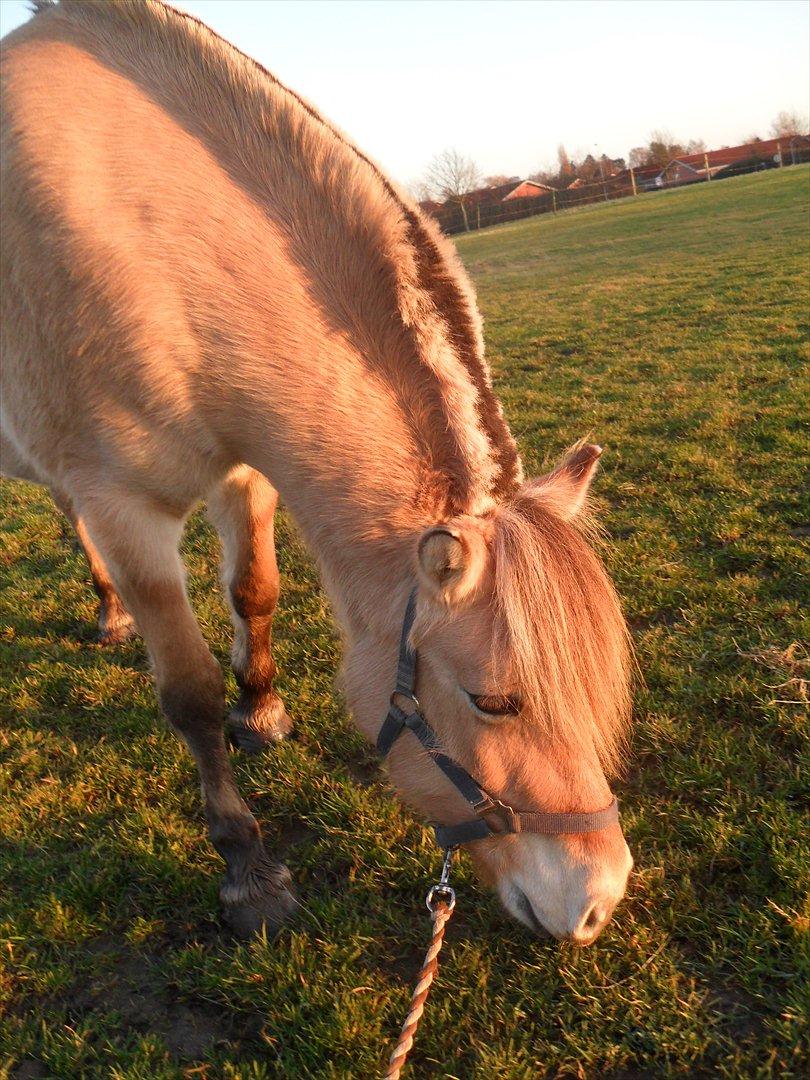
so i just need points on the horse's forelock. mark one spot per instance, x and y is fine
(560, 624)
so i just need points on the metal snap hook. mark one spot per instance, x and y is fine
(442, 892)
(438, 894)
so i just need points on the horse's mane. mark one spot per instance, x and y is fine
(455, 414)
(559, 621)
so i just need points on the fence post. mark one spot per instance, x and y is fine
(633, 179)
(706, 163)
(554, 201)
(779, 152)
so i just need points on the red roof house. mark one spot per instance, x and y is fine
(688, 168)
(528, 189)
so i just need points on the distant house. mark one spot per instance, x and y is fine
(478, 206)
(488, 195)
(478, 200)
(689, 168)
(646, 177)
(681, 171)
(528, 189)
(578, 183)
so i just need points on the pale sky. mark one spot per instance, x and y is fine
(505, 81)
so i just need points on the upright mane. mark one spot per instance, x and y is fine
(431, 354)
(560, 622)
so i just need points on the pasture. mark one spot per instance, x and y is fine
(673, 329)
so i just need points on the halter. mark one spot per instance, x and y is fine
(492, 817)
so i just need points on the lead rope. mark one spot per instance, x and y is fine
(440, 901)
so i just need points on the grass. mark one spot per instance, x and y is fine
(673, 328)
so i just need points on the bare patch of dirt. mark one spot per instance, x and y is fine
(132, 986)
(129, 983)
(29, 1070)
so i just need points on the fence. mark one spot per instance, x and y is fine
(709, 168)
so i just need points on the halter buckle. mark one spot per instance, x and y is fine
(405, 695)
(502, 814)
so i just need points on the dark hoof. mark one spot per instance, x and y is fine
(253, 729)
(268, 903)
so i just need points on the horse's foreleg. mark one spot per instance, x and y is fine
(115, 624)
(242, 507)
(140, 546)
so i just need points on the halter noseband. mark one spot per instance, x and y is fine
(492, 817)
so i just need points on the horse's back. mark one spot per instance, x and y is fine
(118, 265)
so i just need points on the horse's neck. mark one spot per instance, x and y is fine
(333, 440)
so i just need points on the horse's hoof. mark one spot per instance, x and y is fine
(116, 631)
(253, 727)
(266, 911)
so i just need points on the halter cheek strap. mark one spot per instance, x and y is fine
(492, 817)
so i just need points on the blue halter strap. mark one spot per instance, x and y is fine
(491, 816)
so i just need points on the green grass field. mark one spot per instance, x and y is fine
(673, 328)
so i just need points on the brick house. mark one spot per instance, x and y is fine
(688, 168)
(528, 189)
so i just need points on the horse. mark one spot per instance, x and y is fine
(209, 294)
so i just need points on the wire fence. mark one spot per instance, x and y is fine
(710, 167)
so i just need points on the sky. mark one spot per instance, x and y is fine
(506, 81)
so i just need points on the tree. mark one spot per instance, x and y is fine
(639, 156)
(420, 191)
(500, 178)
(662, 148)
(566, 166)
(696, 146)
(609, 166)
(788, 124)
(544, 176)
(589, 168)
(452, 177)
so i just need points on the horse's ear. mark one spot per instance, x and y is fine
(452, 561)
(565, 489)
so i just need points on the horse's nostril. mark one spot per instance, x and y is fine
(590, 925)
(528, 911)
(594, 918)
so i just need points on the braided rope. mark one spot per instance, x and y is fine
(441, 913)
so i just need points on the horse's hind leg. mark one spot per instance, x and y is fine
(115, 624)
(114, 621)
(242, 507)
(140, 546)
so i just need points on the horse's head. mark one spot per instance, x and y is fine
(523, 666)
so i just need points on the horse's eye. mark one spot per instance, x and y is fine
(496, 704)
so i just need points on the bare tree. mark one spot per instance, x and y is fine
(420, 191)
(545, 176)
(452, 177)
(787, 124)
(638, 156)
